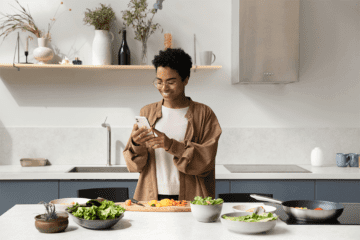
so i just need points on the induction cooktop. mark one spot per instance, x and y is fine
(265, 168)
(350, 216)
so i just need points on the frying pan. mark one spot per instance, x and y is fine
(331, 210)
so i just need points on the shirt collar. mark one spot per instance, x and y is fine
(188, 115)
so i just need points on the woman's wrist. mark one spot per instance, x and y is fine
(134, 143)
(169, 143)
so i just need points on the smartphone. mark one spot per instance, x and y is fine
(143, 121)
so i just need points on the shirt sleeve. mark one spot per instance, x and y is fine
(198, 158)
(136, 157)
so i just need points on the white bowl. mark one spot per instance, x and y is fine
(206, 213)
(244, 207)
(246, 227)
(63, 203)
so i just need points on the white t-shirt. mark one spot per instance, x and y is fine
(173, 123)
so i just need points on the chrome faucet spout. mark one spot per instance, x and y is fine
(106, 125)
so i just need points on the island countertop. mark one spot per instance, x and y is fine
(59, 172)
(19, 223)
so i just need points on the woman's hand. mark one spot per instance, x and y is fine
(139, 135)
(161, 141)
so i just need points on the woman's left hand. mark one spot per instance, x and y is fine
(161, 141)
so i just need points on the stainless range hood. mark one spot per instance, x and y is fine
(265, 41)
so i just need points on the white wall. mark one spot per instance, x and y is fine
(327, 95)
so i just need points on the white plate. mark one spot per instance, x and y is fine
(62, 207)
(244, 207)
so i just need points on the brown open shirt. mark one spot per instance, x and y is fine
(194, 157)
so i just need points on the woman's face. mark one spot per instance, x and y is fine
(172, 86)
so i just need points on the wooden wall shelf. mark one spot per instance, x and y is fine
(113, 67)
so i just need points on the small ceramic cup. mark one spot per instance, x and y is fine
(342, 159)
(354, 160)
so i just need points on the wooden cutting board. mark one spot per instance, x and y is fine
(147, 208)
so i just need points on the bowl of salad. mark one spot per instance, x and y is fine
(206, 209)
(96, 214)
(248, 223)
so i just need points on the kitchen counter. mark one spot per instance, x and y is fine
(18, 223)
(59, 172)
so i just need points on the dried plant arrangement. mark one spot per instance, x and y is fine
(22, 20)
(137, 17)
(50, 212)
(100, 18)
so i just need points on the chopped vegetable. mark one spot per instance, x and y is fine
(318, 208)
(128, 202)
(253, 218)
(206, 201)
(167, 203)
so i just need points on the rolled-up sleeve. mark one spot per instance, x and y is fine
(198, 158)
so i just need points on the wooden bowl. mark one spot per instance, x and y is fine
(52, 225)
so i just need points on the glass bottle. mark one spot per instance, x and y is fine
(124, 51)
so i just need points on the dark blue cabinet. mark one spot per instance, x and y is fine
(346, 191)
(26, 192)
(282, 190)
(69, 188)
(34, 191)
(221, 186)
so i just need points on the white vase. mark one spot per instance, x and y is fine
(317, 157)
(101, 48)
(42, 53)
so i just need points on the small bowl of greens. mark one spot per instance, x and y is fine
(206, 209)
(248, 223)
(96, 214)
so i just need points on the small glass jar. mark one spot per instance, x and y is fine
(168, 40)
(77, 61)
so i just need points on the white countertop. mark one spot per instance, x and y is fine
(59, 172)
(18, 223)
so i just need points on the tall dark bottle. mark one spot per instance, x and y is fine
(124, 51)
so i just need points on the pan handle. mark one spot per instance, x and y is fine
(267, 199)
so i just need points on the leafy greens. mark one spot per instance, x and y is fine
(253, 218)
(99, 210)
(206, 201)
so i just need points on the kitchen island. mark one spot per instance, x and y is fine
(18, 223)
(30, 185)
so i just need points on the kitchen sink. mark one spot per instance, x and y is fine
(99, 170)
(263, 168)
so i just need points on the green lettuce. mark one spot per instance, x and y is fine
(107, 210)
(253, 218)
(206, 201)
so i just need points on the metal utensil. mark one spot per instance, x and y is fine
(136, 202)
(331, 210)
(259, 210)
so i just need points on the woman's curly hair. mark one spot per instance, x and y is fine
(174, 58)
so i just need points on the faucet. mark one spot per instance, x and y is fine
(106, 125)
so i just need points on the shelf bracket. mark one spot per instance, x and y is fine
(16, 67)
(195, 52)
(17, 46)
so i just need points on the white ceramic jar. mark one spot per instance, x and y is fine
(101, 48)
(42, 53)
(317, 157)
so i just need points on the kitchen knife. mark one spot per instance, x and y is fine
(136, 202)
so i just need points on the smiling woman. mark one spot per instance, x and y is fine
(179, 162)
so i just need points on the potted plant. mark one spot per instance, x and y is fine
(51, 221)
(22, 20)
(137, 17)
(101, 18)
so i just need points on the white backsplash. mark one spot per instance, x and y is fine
(85, 146)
